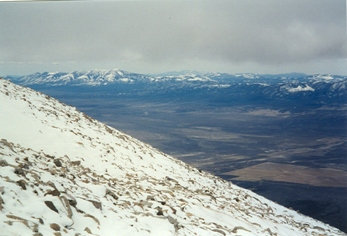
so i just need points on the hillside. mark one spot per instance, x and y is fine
(63, 173)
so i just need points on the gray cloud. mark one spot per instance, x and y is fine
(248, 35)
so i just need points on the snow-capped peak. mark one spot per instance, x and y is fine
(300, 88)
(324, 77)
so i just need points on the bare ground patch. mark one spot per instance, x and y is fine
(323, 177)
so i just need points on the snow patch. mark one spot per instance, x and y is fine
(301, 89)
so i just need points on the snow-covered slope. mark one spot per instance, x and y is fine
(63, 173)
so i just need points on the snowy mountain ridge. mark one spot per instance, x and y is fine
(89, 78)
(98, 77)
(263, 86)
(64, 173)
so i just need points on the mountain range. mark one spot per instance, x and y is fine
(294, 89)
(286, 83)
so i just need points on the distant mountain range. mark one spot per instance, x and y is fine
(292, 82)
(299, 89)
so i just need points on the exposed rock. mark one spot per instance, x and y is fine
(67, 206)
(112, 194)
(57, 162)
(3, 162)
(219, 231)
(270, 232)
(22, 184)
(54, 192)
(73, 202)
(1, 202)
(36, 228)
(92, 217)
(19, 171)
(51, 206)
(108, 129)
(24, 166)
(150, 198)
(49, 156)
(87, 230)
(174, 222)
(76, 163)
(96, 204)
(20, 219)
(159, 211)
(170, 179)
(8, 144)
(55, 227)
(237, 228)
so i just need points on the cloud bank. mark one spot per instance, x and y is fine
(248, 35)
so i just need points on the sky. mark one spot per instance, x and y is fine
(232, 36)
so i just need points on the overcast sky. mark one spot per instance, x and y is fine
(268, 36)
